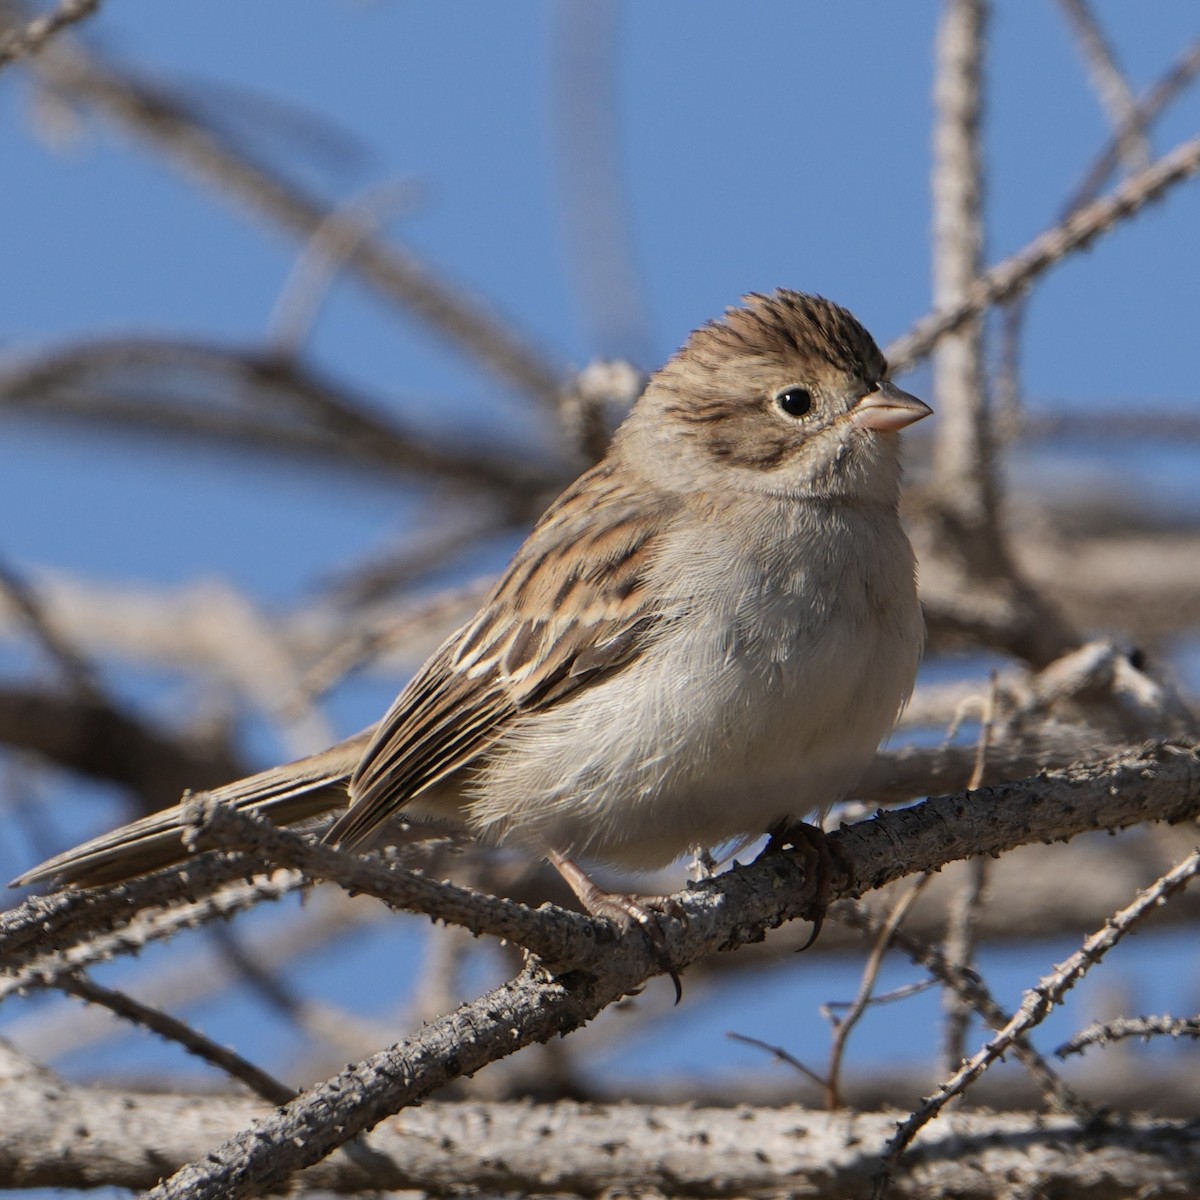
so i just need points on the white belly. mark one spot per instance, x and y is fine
(765, 701)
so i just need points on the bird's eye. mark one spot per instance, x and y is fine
(795, 401)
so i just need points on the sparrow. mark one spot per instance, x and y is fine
(705, 637)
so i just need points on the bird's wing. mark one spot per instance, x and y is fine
(570, 610)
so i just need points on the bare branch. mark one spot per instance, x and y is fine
(1103, 1032)
(974, 994)
(154, 112)
(1139, 581)
(323, 255)
(965, 480)
(174, 1030)
(963, 460)
(844, 1025)
(1008, 278)
(68, 928)
(963, 917)
(1110, 84)
(1037, 1004)
(202, 974)
(1131, 132)
(59, 1135)
(76, 671)
(557, 936)
(779, 1053)
(97, 739)
(1162, 93)
(30, 39)
(251, 399)
(960, 949)
(721, 913)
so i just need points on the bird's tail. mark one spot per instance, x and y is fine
(294, 792)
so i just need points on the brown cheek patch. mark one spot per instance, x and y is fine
(762, 452)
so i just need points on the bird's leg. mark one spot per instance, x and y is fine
(615, 906)
(623, 909)
(814, 840)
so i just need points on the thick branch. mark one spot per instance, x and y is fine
(963, 461)
(61, 1136)
(1160, 782)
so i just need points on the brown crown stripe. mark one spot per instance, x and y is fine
(808, 325)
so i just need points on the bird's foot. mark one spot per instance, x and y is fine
(625, 911)
(813, 842)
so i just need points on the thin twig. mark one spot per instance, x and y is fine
(174, 1030)
(324, 254)
(963, 917)
(783, 1056)
(38, 32)
(1007, 389)
(959, 946)
(73, 666)
(1017, 272)
(842, 1027)
(974, 993)
(1110, 83)
(1173, 81)
(1037, 1004)
(905, 992)
(1103, 1032)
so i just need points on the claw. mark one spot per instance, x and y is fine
(812, 840)
(626, 911)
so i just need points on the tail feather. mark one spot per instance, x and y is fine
(288, 794)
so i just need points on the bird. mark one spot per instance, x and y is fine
(704, 638)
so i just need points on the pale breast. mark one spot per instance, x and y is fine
(793, 645)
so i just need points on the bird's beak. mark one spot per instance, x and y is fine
(887, 409)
